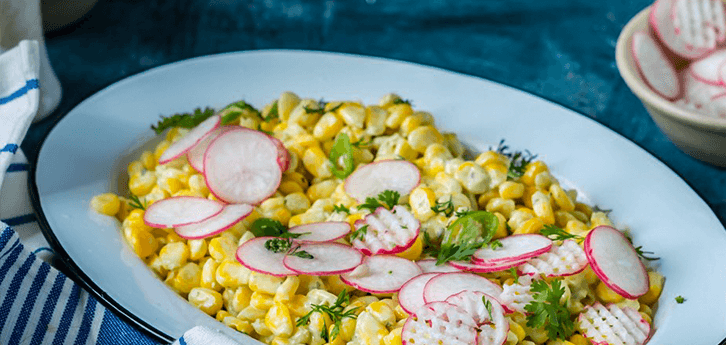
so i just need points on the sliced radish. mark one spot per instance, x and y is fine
(444, 285)
(195, 156)
(231, 214)
(372, 179)
(430, 266)
(328, 258)
(381, 274)
(514, 248)
(321, 232)
(283, 156)
(410, 297)
(705, 98)
(707, 69)
(562, 260)
(689, 28)
(515, 296)
(240, 166)
(439, 323)
(613, 325)
(180, 210)
(482, 268)
(654, 66)
(493, 327)
(253, 255)
(615, 262)
(187, 142)
(387, 232)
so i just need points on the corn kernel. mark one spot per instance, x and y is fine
(261, 300)
(542, 207)
(207, 300)
(397, 113)
(264, 282)
(174, 255)
(501, 205)
(375, 120)
(656, 281)
(501, 226)
(382, 312)
(491, 157)
(231, 274)
(421, 137)
(453, 144)
(600, 218)
(240, 299)
(316, 162)
(606, 295)
(353, 114)
(289, 187)
(251, 313)
(578, 339)
(473, 177)
(576, 227)
(422, 199)
(142, 184)
(148, 160)
(414, 251)
(286, 103)
(584, 208)
(562, 200)
(221, 248)
(237, 324)
(327, 127)
(511, 190)
(369, 330)
(286, 290)
(532, 226)
(532, 170)
(321, 190)
(106, 203)
(187, 277)
(135, 168)
(497, 174)
(517, 329)
(278, 320)
(142, 242)
(393, 338)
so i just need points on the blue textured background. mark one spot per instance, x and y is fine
(560, 50)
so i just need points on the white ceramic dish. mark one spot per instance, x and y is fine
(81, 157)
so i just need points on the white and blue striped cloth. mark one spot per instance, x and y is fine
(38, 303)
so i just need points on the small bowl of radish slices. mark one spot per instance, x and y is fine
(672, 56)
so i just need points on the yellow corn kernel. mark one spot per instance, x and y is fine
(501, 226)
(517, 329)
(445, 184)
(421, 137)
(532, 170)
(251, 313)
(369, 330)
(576, 227)
(327, 127)
(497, 174)
(435, 158)
(353, 114)
(600, 218)
(286, 103)
(142, 242)
(221, 315)
(301, 114)
(148, 160)
(286, 291)
(135, 168)
(297, 305)
(240, 299)
(656, 287)
(578, 339)
(264, 282)
(414, 251)
(295, 220)
(485, 197)
(239, 325)
(393, 338)
(155, 264)
(491, 157)
(584, 208)
(562, 200)
(209, 275)
(316, 162)
(388, 100)
(187, 277)
(646, 317)
(501, 205)
(207, 300)
(453, 144)
(606, 295)
(375, 120)
(321, 190)
(562, 217)
(347, 329)
(296, 202)
(221, 248)
(382, 312)
(174, 255)
(422, 199)
(511, 190)
(318, 323)
(142, 184)
(542, 207)
(231, 274)
(197, 184)
(261, 300)
(527, 196)
(400, 313)
(398, 113)
(289, 187)
(155, 195)
(472, 177)
(106, 203)
(278, 320)
(410, 123)
(532, 226)
(173, 237)
(197, 249)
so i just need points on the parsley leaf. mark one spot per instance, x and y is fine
(184, 120)
(495, 244)
(134, 202)
(359, 233)
(267, 227)
(466, 235)
(371, 204)
(446, 208)
(456, 252)
(341, 208)
(336, 312)
(557, 234)
(546, 310)
(642, 254)
(341, 157)
(388, 197)
(680, 299)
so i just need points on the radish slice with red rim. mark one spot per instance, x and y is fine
(195, 156)
(444, 285)
(703, 97)
(613, 325)
(515, 296)
(513, 248)
(689, 28)
(493, 327)
(231, 214)
(180, 210)
(480, 268)
(381, 274)
(430, 266)
(654, 66)
(439, 323)
(254, 255)
(188, 141)
(372, 179)
(328, 258)
(707, 69)
(387, 232)
(410, 297)
(240, 166)
(283, 156)
(562, 260)
(615, 261)
(320, 232)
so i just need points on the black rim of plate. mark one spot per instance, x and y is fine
(86, 282)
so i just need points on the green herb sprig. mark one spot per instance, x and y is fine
(644, 254)
(386, 198)
(471, 231)
(336, 312)
(184, 120)
(341, 208)
(518, 160)
(135, 202)
(445, 208)
(680, 299)
(546, 310)
(359, 233)
(557, 234)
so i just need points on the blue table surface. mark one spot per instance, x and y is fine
(560, 50)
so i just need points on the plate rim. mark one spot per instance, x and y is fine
(87, 283)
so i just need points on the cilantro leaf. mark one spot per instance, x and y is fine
(341, 208)
(184, 120)
(371, 204)
(466, 235)
(388, 197)
(267, 227)
(680, 299)
(445, 208)
(546, 311)
(341, 157)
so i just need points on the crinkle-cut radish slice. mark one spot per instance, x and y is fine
(492, 325)
(231, 214)
(240, 166)
(372, 179)
(381, 274)
(439, 323)
(481, 268)
(388, 232)
(180, 210)
(513, 248)
(562, 260)
(707, 69)
(689, 28)
(444, 285)
(328, 258)
(613, 325)
(192, 138)
(430, 266)
(515, 296)
(410, 297)
(320, 232)
(703, 97)
(654, 66)
(195, 155)
(283, 155)
(615, 261)
(253, 255)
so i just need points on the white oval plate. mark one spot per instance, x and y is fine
(83, 156)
